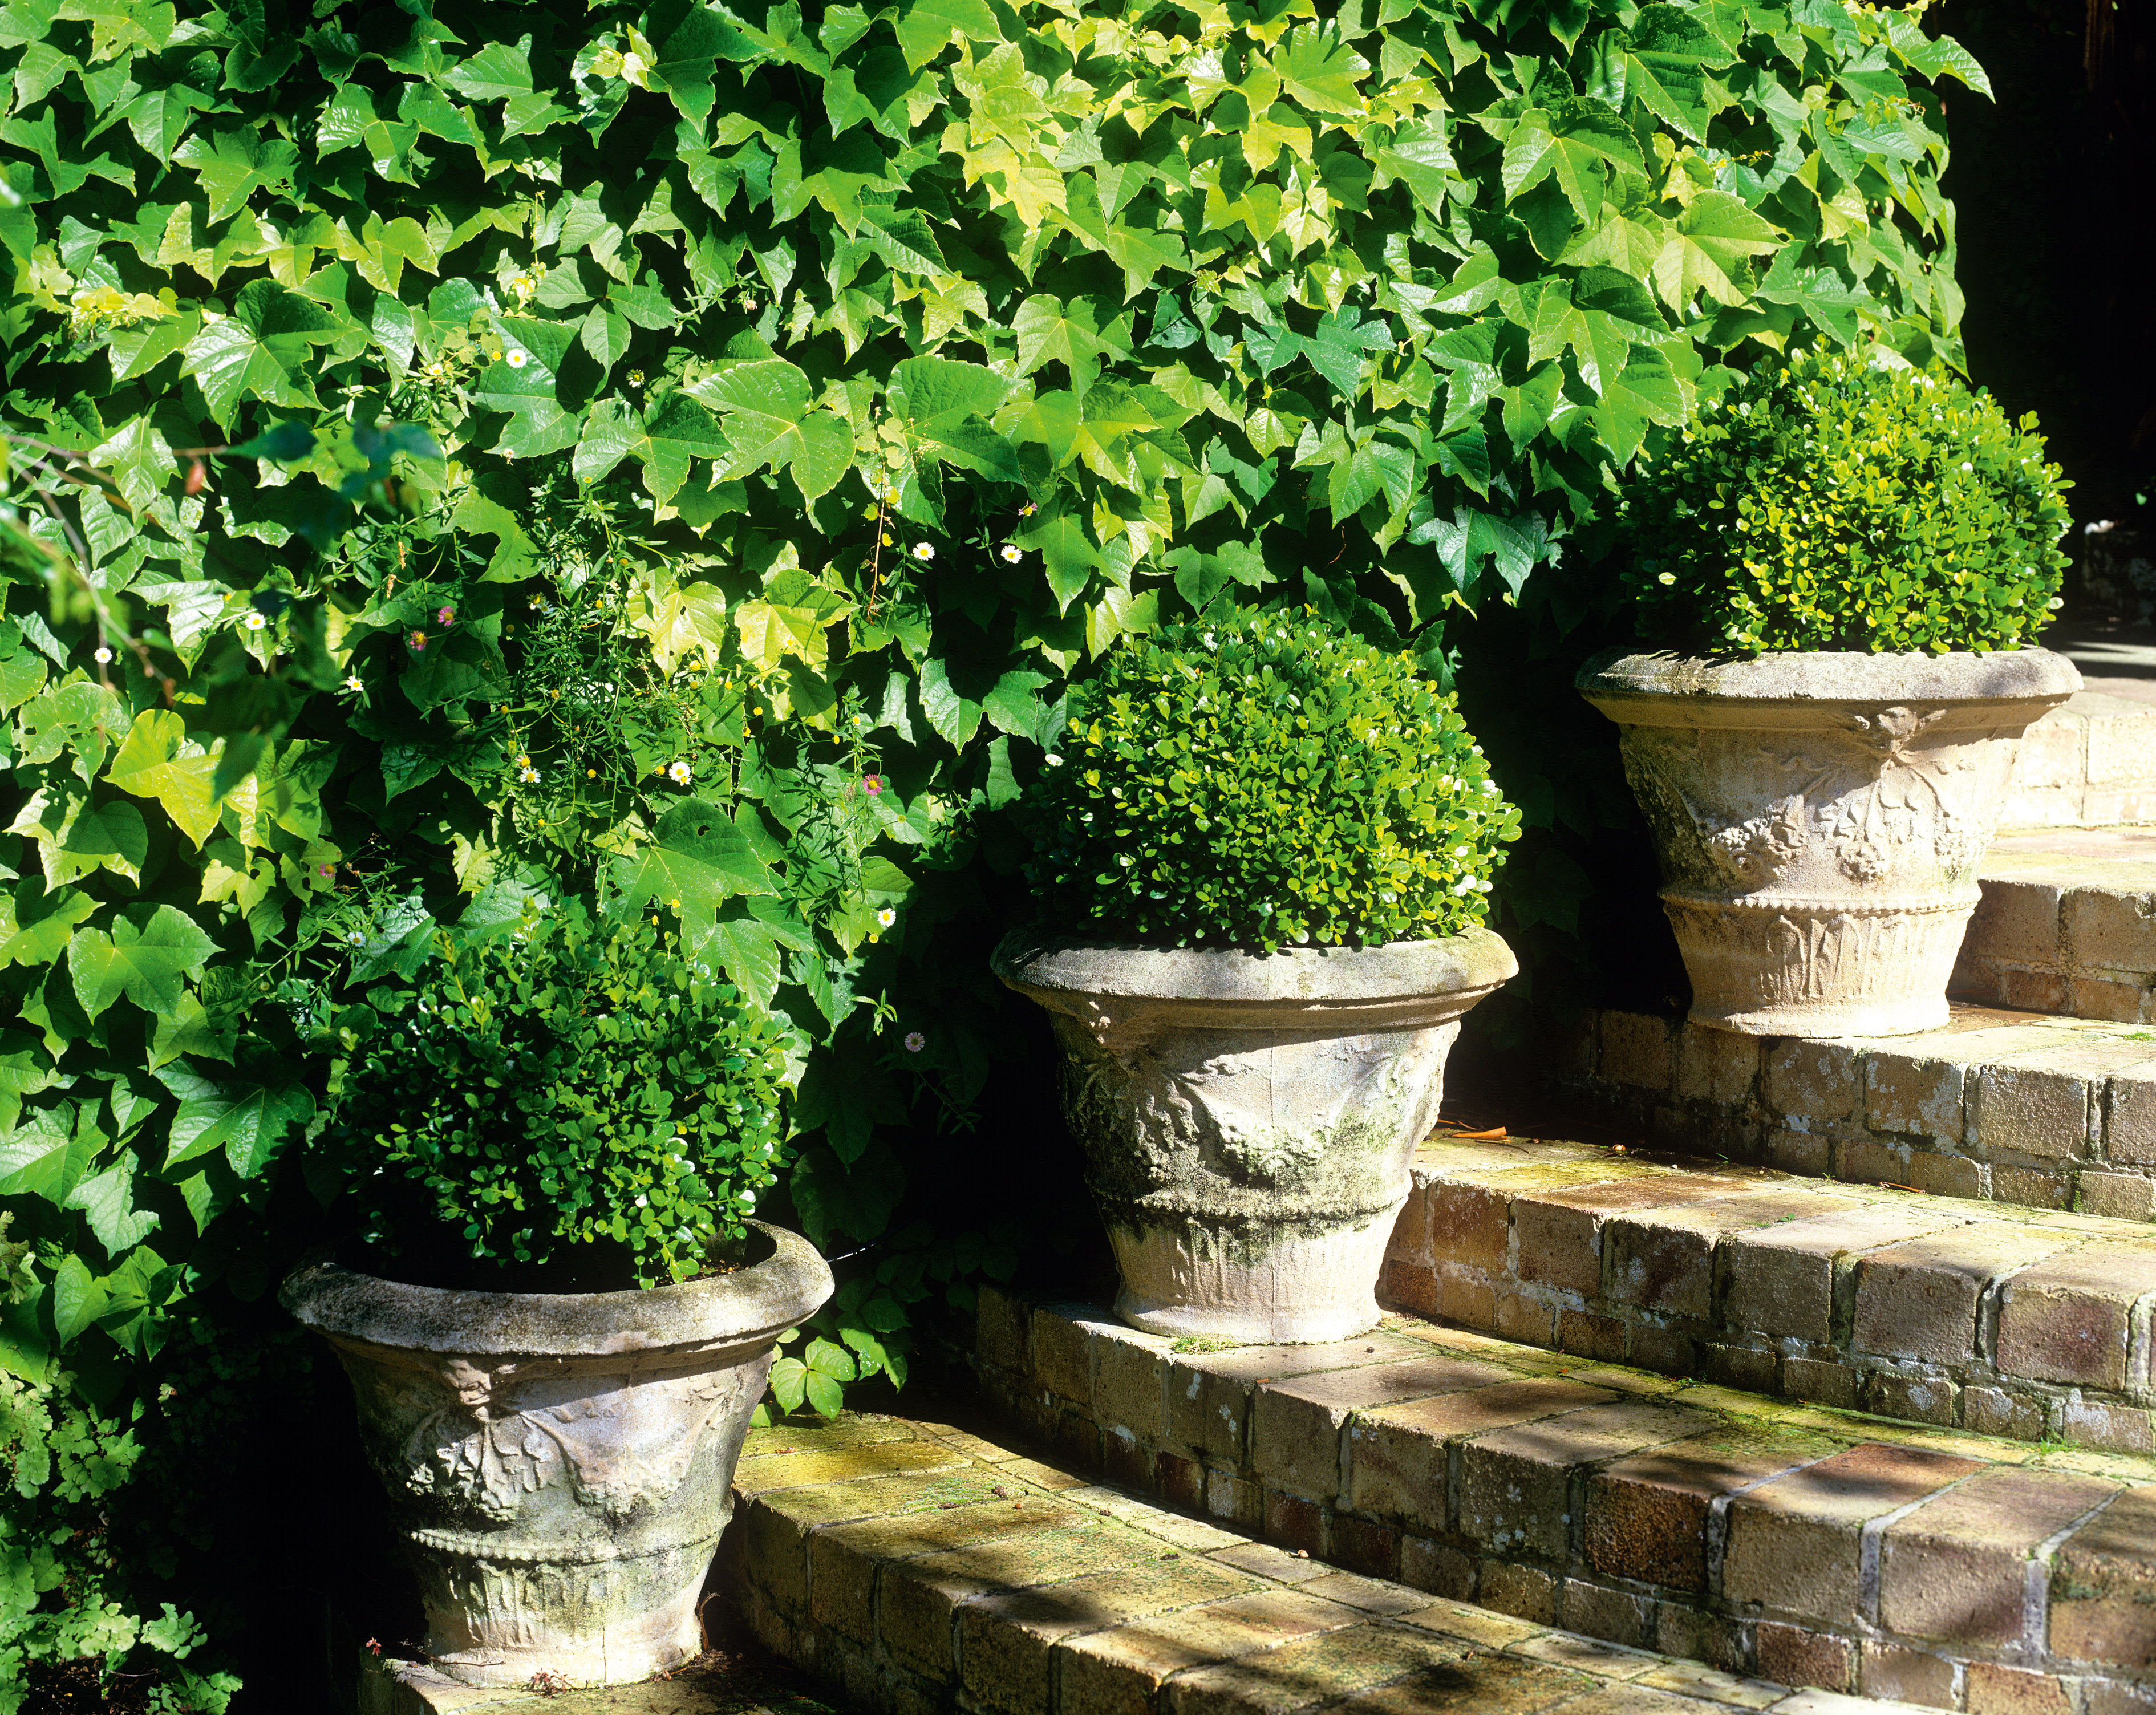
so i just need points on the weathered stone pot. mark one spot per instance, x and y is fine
(561, 1465)
(1820, 817)
(1247, 1119)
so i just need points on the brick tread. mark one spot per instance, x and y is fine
(1960, 1314)
(2000, 1106)
(1765, 1539)
(2068, 926)
(1008, 1586)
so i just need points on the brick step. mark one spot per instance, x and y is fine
(1801, 1544)
(913, 1568)
(2089, 763)
(2009, 1322)
(2014, 1107)
(2067, 925)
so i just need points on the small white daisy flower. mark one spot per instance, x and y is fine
(103, 656)
(679, 773)
(352, 681)
(923, 551)
(517, 360)
(528, 774)
(254, 621)
(887, 917)
(1012, 553)
(915, 1042)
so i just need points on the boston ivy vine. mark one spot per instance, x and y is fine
(688, 447)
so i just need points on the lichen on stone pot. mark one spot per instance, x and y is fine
(1248, 1119)
(1820, 817)
(560, 1466)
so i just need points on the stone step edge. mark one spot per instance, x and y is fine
(1940, 1311)
(1135, 1609)
(2062, 934)
(1384, 1456)
(2007, 1108)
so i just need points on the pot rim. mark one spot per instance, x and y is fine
(1831, 676)
(1049, 966)
(751, 1307)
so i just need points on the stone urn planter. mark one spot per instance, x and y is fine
(1247, 1120)
(561, 1465)
(1819, 818)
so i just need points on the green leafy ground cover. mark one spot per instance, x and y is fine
(815, 392)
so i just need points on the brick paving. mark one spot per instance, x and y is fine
(1762, 1538)
(986, 1581)
(1954, 1311)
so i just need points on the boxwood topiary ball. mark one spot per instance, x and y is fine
(1263, 780)
(1832, 502)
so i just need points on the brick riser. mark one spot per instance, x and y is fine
(1932, 1310)
(1796, 1547)
(2010, 1107)
(2067, 925)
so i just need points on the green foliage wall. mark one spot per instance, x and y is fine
(818, 390)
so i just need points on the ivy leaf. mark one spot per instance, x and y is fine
(956, 718)
(159, 760)
(1335, 348)
(1647, 391)
(1707, 245)
(1821, 294)
(926, 28)
(523, 383)
(108, 1200)
(1665, 64)
(1319, 72)
(1067, 554)
(1517, 543)
(694, 856)
(236, 160)
(1052, 331)
(111, 836)
(1380, 465)
(1418, 157)
(1574, 139)
(261, 351)
(140, 460)
(938, 393)
(383, 250)
(1015, 706)
(747, 949)
(36, 925)
(47, 1155)
(768, 425)
(147, 957)
(498, 71)
(250, 1122)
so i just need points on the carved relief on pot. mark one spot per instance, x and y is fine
(484, 1455)
(1870, 799)
(1308, 1116)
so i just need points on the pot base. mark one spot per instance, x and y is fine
(1768, 966)
(1288, 1289)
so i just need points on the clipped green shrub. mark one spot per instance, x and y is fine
(559, 1100)
(1264, 779)
(1829, 503)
